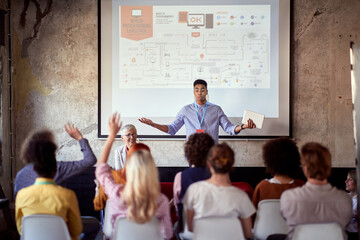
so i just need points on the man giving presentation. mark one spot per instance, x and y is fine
(200, 116)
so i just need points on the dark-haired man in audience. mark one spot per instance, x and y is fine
(200, 116)
(317, 201)
(65, 169)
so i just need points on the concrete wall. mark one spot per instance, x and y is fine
(55, 59)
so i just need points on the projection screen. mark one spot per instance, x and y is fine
(150, 53)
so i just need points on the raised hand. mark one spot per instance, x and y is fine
(73, 131)
(114, 124)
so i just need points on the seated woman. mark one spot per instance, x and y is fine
(216, 197)
(316, 201)
(44, 196)
(282, 160)
(119, 177)
(350, 182)
(196, 150)
(140, 198)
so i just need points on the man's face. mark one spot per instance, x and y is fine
(129, 137)
(200, 92)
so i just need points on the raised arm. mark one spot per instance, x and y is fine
(114, 127)
(250, 124)
(73, 131)
(163, 128)
(68, 169)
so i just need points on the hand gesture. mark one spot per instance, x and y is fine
(146, 121)
(114, 124)
(73, 131)
(250, 124)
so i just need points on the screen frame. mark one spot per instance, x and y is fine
(285, 72)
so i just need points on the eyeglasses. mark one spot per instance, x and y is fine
(130, 135)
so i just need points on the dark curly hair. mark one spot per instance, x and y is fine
(197, 147)
(281, 156)
(39, 148)
(221, 157)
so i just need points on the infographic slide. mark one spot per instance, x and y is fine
(170, 46)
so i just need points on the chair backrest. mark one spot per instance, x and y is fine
(44, 227)
(107, 220)
(328, 231)
(269, 220)
(130, 230)
(214, 228)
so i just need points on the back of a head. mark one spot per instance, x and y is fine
(221, 157)
(281, 156)
(197, 147)
(39, 148)
(142, 186)
(317, 161)
(137, 147)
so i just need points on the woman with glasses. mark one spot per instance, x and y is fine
(128, 135)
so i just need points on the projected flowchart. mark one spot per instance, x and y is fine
(168, 47)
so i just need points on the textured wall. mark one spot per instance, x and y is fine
(55, 52)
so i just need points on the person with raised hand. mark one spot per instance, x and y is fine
(65, 169)
(139, 199)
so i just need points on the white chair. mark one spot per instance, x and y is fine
(44, 227)
(107, 228)
(328, 231)
(269, 220)
(215, 228)
(130, 230)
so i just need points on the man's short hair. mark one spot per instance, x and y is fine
(317, 160)
(200, 81)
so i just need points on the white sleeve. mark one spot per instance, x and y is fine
(117, 158)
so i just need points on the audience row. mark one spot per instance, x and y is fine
(203, 190)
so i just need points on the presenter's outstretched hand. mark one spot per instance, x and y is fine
(146, 121)
(250, 124)
(73, 131)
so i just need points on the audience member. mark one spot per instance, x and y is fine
(196, 149)
(119, 177)
(65, 169)
(140, 198)
(317, 201)
(128, 135)
(216, 197)
(44, 196)
(350, 182)
(282, 160)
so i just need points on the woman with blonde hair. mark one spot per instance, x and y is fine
(139, 199)
(216, 197)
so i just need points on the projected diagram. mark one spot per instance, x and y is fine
(162, 46)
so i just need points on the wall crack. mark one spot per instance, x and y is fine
(39, 16)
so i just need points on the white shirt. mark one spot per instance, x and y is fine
(120, 157)
(208, 200)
